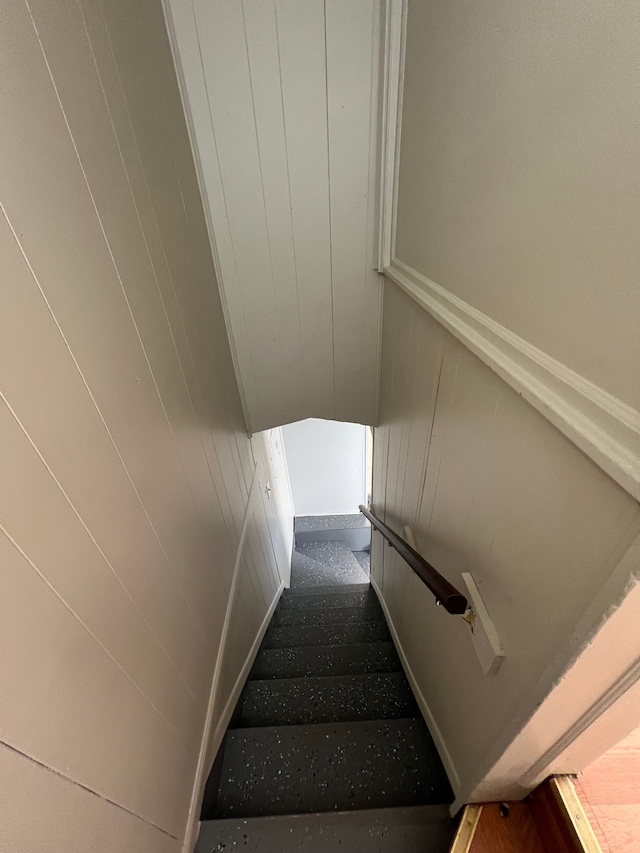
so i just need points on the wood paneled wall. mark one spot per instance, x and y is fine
(283, 103)
(490, 487)
(125, 465)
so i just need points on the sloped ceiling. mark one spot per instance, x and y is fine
(282, 98)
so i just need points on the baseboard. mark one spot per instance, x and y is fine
(357, 538)
(212, 744)
(449, 766)
(216, 738)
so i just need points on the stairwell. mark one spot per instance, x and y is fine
(327, 749)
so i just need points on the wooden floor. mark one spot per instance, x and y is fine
(506, 832)
(609, 790)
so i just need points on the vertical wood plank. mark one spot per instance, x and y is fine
(62, 33)
(301, 40)
(189, 48)
(43, 668)
(226, 68)
(127, 463)
(264, 66)
(95, 594)
(46, 376)
(351, 74)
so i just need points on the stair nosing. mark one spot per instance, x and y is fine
(435, 808)
(245, 730)
(324, 677)
(325, 646)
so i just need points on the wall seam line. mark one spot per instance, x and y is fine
(68, 607)
(155, 275)
(78, 784)
(95, 403)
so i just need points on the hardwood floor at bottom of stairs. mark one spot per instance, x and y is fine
(514, 832)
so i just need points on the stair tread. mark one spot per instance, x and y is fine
(412, 829)
(369, 612)
(334, 561)
(324, 635)
(296, 701)
(321, 660)
(328, 599)
(330, 767)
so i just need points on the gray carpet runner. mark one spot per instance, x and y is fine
(327, 750)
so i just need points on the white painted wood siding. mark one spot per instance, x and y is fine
(488, 486)
(283, 104)
(125, 466)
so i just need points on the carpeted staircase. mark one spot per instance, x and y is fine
(327, 750)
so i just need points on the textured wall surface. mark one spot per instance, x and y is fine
(125, 466)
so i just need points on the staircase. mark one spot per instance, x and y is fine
(327, 750)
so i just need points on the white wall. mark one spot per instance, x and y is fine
(518, 189)
(283, 104)
(490, 487)
(130, 491)
(279, 492)
(327, 466)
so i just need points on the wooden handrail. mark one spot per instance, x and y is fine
(446, 594)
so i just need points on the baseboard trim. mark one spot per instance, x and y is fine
(439, 741)
(191, 834)
(225, 717)
(202, 770)
(603, 427)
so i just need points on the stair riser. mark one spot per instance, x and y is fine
(357, 538)
(371, 612)
(325, 590)
(313, 601)
(320, 635)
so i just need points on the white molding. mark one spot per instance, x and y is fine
(202, 770)
(393, 49)
(466, 829)
(603, 427)
(439, 741)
